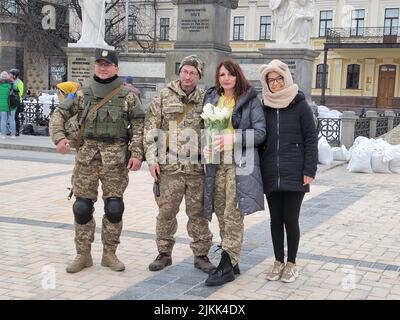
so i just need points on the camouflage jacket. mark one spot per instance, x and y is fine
(173, 130)
(111, 153)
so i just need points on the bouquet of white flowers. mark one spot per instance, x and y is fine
(216, 120)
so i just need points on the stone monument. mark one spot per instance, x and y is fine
(292, 21)
(81, 54)
(203, 29)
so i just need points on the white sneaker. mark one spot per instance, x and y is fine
(276, 271)
(289, 273)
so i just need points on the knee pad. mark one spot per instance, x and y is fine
(83, 210)
(114, 208)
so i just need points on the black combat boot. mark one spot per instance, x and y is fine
(236, 269)
(223, 273)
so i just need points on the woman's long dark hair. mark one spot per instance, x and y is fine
(242, 84)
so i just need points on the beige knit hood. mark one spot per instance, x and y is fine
(283, 98)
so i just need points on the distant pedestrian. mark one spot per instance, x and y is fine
(288, 162)
(6, 111)
(67, 90)
(129, 85)
(18, 85)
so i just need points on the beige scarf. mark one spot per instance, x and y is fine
(280, 99)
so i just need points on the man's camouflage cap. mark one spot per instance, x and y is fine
(193, 61)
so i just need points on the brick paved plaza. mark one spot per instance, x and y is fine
(349, 249)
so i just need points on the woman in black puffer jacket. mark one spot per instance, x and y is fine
(288, 162)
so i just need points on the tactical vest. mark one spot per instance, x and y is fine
(111, 121)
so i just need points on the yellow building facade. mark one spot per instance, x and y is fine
(361, 37)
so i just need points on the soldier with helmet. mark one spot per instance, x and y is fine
(112, 145)
(172, 146)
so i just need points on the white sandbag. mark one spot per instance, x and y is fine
(360, 140)
(394, 164)
(360, 160)
(341, 154)
(325, 154)
(378, 163)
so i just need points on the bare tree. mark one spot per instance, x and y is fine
(29, 16)
(141, 17)
(44, 30)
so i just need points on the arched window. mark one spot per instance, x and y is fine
(353, 76)
(320, 74)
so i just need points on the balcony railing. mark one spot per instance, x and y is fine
(363, 35)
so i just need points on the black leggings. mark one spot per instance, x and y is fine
(284, 208)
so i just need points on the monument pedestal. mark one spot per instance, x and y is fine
(80, 64)
(203, 30)
(91, 45)
(300, 62)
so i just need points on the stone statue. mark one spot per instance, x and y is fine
(292, 21)
(93, 23)
(278, 8)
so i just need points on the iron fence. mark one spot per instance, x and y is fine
(330, 129)
(396, 121)
(362, 128)
(382, 125)
(35, 113)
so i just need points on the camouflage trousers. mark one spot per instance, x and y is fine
(85, 180)
(173, 187)
(230, 220)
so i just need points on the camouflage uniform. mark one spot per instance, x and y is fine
(102, 158)
(172, 112)
(227, 212)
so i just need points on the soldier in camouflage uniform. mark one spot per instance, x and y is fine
(103, 156)
(172, 118)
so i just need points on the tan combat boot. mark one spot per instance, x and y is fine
(161, 261)
(84, 236)
(204, 264)
(110, 234)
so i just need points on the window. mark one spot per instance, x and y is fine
(164, 29)
(325, 22)
(265, 27)
(353, 76)
(131, 28)
(320, 74)
(391, 22)
(238, 28)
(357, 22)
